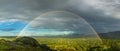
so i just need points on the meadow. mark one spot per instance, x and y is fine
(66, 44)
(81, 44)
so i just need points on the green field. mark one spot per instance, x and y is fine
(70, 44)
(80, 44)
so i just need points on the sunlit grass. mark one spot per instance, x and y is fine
(77, 44)
(71, 44)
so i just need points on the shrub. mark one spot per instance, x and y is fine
(27, 41)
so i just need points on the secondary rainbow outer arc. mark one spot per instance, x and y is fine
(56, 12)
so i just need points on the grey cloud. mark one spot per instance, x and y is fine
(101, 14)
(61, 21)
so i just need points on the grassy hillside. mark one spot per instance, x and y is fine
(60, 44)
(80, 44)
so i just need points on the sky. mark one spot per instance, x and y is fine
(102, 15)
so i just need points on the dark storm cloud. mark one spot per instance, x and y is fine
(103, 15)
(99, 21)
(27, 9)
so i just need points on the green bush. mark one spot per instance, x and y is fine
(27, 41)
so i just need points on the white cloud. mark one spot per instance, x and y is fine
(9, 20)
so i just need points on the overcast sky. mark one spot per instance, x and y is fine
(102, 15)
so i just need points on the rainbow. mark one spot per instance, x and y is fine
(50, 12)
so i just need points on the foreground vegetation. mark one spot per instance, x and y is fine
(22, 44)
(81, 44)
(59, 44)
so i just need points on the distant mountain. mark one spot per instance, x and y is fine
(111, 35)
